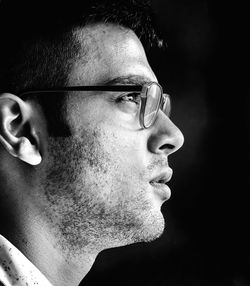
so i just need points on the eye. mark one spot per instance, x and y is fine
(130, 98)
(129, 102)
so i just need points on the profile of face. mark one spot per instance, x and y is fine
(101, 184)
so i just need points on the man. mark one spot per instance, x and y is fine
(85, 137)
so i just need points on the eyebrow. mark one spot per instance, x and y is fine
(130, 79)
(135, 81)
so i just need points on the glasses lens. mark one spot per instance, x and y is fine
(152, 104)
(166, 105)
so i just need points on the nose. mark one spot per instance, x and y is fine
(166, 137)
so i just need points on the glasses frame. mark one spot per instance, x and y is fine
(142, 89)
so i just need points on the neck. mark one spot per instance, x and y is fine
(39, 245)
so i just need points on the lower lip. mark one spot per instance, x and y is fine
(162, 190)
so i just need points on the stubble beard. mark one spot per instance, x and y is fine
(80, 186)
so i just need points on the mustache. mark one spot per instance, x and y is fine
(157, 163)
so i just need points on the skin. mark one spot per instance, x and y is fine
(90, 191)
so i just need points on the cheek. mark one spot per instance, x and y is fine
(126, 148)
(114, 156)
(126, 160)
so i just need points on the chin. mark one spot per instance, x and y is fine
(154, 230)
(146, 228)
(151, 229)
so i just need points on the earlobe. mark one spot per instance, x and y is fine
(28, 152)
(17, 129)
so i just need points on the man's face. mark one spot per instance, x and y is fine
(98, 181)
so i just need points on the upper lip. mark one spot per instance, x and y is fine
(163, 177)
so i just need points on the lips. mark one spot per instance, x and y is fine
(159, 183)
(163, 177)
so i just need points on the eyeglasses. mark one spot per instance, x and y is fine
(152, 98)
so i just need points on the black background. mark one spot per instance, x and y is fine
(205, 69)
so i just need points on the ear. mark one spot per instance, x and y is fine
(19, 129)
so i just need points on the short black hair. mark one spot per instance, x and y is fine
(38, 44)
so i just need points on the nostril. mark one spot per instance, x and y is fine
(167, 146)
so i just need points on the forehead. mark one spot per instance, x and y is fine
(109, 51)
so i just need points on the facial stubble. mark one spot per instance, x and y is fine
(94, 199)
